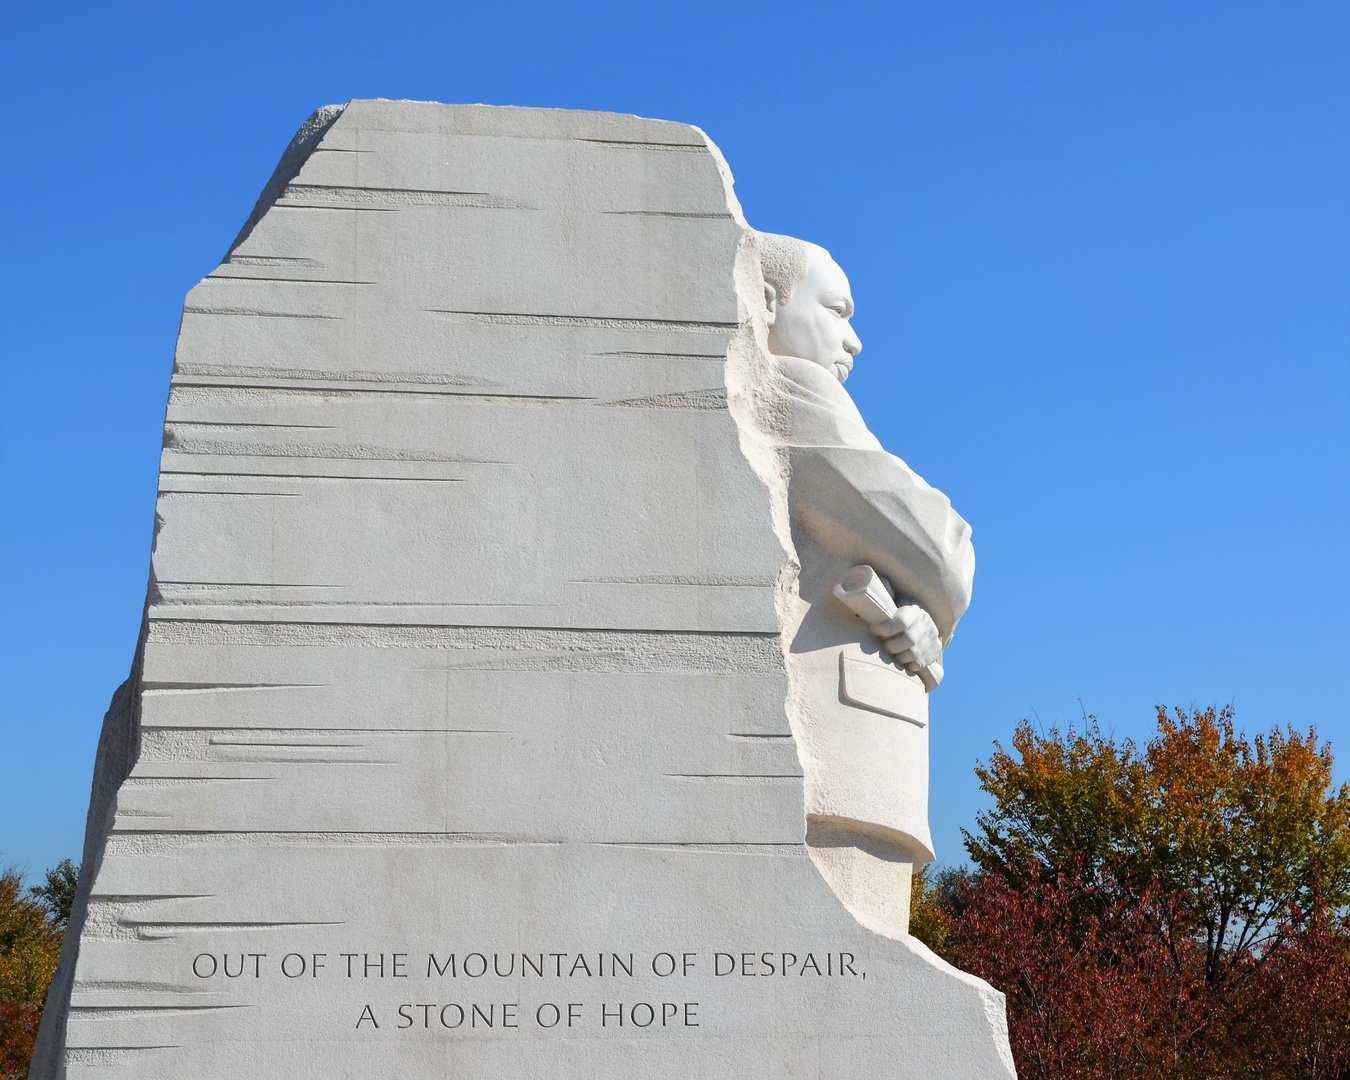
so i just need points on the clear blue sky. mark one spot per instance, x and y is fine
(1101, 256)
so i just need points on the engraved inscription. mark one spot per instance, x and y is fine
(481, 990)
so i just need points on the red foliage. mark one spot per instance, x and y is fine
(1291, 1016)
(18, 1032)
(1175, 913)
(1101, 985)
(1092, 988)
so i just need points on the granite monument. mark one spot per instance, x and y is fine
(535, 665)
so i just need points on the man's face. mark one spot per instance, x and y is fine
(814, 323)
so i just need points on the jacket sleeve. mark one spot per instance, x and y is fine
(866, 505)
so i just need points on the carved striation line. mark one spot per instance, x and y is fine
(711, 399)
(122, 843)
(235, 425)
(268, 393)
(257, 474)
(508, 648)
(211, 927)
(155, 840)
(281, 745)
(167, 688)
(94, 986)
(319, 451)
(289, 204)
(734, 778)
(247, 584)
(386, 198)
(108, 1055)
(263, 760)
(234, 600)
(599, 322)
(720, 581)
(352, 731)
(758, 738)
(254, 313)
(272, 260)
(775, 848)
(669, 213)
(633, 144)
(320, 374)
(287, 280)
(177, 781)
(190, 495)
(633, 355)
(448, 839)
(270, 604)
(92, 1011)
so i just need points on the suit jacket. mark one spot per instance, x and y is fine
(862, 503)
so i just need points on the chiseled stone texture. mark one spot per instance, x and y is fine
(463, 636)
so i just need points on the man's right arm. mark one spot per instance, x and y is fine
(865, 505)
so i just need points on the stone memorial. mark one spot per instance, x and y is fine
(535, 665)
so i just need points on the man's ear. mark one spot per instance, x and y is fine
(770, 304)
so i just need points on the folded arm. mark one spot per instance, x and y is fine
(867, 506)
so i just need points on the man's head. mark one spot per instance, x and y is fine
(808, 304)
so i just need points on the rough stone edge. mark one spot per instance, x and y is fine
(118, 749)
(119, 739)
(309, 136)
(754, 403)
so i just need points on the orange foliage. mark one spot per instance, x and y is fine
(30, 945)
(1164, 914)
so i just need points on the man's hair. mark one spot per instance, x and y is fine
(785, 260)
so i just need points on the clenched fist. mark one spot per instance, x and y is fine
(911, 637)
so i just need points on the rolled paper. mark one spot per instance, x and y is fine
(865, 594)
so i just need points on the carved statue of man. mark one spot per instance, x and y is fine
(859, 707)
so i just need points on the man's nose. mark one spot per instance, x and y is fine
(852, 345)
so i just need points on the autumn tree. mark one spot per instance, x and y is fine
(1064, 799)
(1241, 834)
(929, 917)
(57, 890)
(30, 945)
(1154, 913)
(1231, 830)
(1091, 992)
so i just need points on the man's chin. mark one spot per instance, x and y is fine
(842, 368)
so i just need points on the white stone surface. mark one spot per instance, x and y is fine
(841, 501)
(466, 635)
(907, 631)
